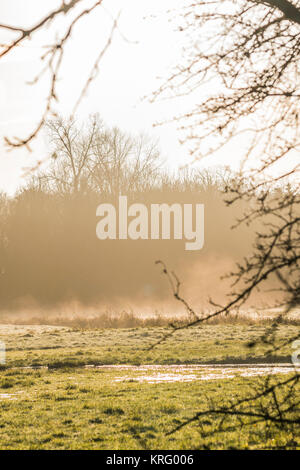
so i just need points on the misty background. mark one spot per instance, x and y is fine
(51, 259)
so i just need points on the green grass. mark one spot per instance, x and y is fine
(67, 407)
(73, 347)
(88, 409)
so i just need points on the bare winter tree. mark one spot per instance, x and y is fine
(124, 163)
(250, 51)
(93, 156)
(73, 149)
(241, 64)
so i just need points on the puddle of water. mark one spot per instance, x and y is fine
(197, 372)
(10, 396)
(189, 367)
(157, 373)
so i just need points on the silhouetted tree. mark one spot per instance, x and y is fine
(242, 67)
(93, 157)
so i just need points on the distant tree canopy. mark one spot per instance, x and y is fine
(92, 156)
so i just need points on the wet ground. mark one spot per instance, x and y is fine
(155, 374)
(190, 373)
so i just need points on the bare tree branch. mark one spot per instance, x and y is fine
(53, 59)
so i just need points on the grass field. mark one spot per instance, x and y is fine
(60, 347)
(65, 406)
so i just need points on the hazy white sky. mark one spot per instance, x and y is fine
(128, 72)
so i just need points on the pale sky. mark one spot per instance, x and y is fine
(128, 72)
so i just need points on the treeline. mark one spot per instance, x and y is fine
(49, 251)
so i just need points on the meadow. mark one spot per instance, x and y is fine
(59, 391)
